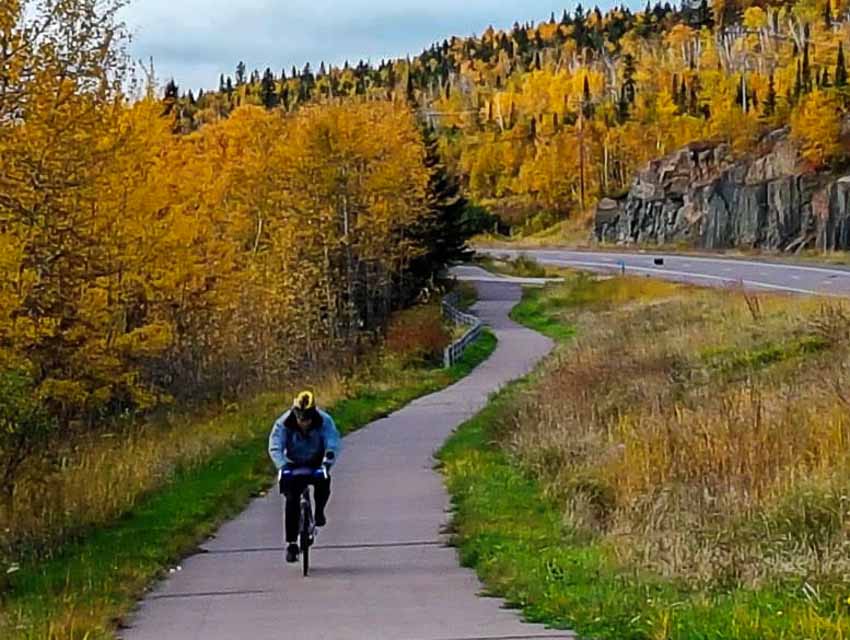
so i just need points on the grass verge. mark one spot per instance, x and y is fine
(685, 473)
(86, 589)
(525, 551)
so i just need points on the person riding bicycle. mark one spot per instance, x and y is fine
(303, 437)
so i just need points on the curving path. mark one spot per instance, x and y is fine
(382, 569)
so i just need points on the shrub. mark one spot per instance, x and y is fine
(25, 425)
(418, 334)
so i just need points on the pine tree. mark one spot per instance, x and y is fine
(840, 68)
(586, 101)
(827, 14)
(693, 100)
(169, 100)
(805, 70)
(410, 90)
(221, 83)
(769, 105)
(267, 90)
(444, 233)
(240, 74)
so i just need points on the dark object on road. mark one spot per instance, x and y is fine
(659, 261)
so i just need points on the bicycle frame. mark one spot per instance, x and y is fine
(307, 525)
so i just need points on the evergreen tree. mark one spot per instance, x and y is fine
(827, 14)
(170, 97)
(268, 93)
(586, 101)
(240, 74)
(410, 91)
(840, 68)
(769, 105)
(805, 70)
(798, 82)
(221, 83)
(445, 233)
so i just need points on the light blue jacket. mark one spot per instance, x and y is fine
(289, 446)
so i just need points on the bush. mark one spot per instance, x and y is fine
(418, 334)
(24, 426)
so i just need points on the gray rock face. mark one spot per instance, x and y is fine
(701, 196)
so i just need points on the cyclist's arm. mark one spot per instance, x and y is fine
(277, 439)
(333, 442)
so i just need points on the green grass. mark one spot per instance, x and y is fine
(523, 547)
(371, 403)
(548, 309)
(85, 590)
(467, 295)
(523, 550)
(537, 311)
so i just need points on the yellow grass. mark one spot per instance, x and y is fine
(703, 434)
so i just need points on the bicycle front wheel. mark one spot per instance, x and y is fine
(306, 517)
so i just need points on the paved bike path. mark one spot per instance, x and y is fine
(381, 569)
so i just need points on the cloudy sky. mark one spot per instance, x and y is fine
(196, 40)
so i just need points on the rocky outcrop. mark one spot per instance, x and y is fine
(702, 196)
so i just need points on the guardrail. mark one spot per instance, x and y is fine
(454, 351)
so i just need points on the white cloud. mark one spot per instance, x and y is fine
(196, 40)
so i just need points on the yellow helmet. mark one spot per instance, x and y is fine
(304, 402)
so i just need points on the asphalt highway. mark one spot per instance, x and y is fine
(709, 271)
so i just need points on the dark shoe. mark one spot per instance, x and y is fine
(292, 552)
(321, 520)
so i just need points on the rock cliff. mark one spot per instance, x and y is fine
(702, 196)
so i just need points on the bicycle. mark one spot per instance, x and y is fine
(307, 526)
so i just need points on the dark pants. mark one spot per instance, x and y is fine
(292, 488)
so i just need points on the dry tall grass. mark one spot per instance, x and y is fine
(704, 434)
(98, 478)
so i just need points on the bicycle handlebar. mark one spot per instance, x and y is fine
(321, 472)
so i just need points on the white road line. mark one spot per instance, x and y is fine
(703, 276)
(649, 255)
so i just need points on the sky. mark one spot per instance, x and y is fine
(193, 41)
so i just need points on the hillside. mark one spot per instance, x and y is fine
(545, 119)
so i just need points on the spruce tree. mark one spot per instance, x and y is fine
(840, 68)
(267, 90)
(169, 99)
(445, 233)
(240, 74)
(769, 105)
(586, 102)
(805, 70)
(798, 82)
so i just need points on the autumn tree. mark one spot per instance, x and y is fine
(816, 126)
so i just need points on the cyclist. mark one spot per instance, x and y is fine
(303, 437)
